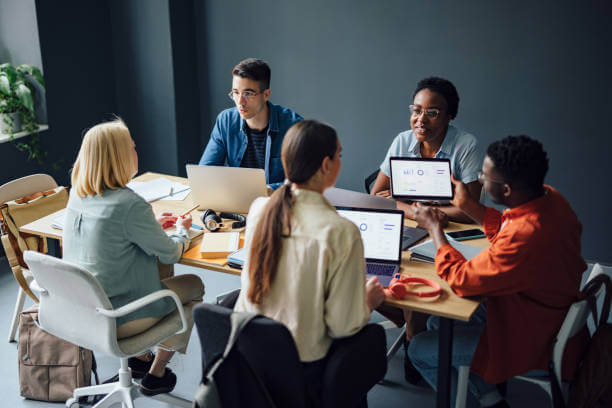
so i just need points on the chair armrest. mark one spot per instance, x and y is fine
(36, 288)
(140, 303)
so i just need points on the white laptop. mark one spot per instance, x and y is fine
(381, 233)
(222, 188)
(420, 179)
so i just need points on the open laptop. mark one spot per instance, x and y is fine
(420, 179)
(381, 233)
(339, 197)
(223, 188)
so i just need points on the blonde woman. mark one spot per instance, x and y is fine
(113, 233)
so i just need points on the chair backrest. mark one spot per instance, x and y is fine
(369, 180)
(68, 301)
(26, 185)
(265, 347)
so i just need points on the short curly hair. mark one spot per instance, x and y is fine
(443, 87)
(520, 160)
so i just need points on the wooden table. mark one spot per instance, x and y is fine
(449, 306)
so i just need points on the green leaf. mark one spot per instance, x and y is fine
(5, 86)
(25, 96)
(10, 71)
(32, 71)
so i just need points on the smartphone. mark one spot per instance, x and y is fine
(466, 234)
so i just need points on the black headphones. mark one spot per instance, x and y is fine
(213, 222)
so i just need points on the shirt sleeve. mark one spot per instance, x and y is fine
(496, 271)
(469, 161)
(143, 230)
(346, 311)
(215, 153)
(394, 150)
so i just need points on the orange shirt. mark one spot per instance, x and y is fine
(531, 274)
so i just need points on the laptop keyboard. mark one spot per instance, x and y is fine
(380, 269)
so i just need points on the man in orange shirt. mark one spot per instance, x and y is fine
(530, 274)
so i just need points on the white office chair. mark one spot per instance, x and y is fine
(574, 321)
(74, 307)
(11, 191)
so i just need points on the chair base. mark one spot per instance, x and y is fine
(124, 392)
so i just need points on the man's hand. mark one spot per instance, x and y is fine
(269, 190)
(462, 195)
(375, 294)
(429, 217)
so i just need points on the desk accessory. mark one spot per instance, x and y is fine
(400, 287)
(219, 244)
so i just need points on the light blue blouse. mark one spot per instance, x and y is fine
(459, 146)
(115, 237)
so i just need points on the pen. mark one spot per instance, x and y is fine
(188, 211)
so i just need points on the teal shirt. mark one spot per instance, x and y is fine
(115, 237)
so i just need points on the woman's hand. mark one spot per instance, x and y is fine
(185, 221)
(166, 220)
(375, 293)
(384, 193)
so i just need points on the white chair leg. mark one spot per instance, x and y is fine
(462, 386)
(396, 344)
(18, 308)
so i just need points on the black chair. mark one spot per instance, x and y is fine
(266, 348)
(369, 180)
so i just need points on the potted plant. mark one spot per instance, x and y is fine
(18, 85)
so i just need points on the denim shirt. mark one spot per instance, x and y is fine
(228, 141)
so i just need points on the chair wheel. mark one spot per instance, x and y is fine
(72, 403)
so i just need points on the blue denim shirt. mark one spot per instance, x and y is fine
(228, 141)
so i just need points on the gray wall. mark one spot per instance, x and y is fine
(19, 36)
(536, 68)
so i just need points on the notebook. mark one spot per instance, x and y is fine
(419, 179)
(381, 233)
(222, 188)
(426, 251)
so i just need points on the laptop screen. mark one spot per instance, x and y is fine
(381, 232)
(421, 179)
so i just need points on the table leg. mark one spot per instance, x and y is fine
(445, 350)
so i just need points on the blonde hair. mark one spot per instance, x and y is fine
(105, 160)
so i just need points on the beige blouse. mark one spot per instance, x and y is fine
(319, 290)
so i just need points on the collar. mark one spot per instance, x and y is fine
(532, 206)
(446, 147)
(312, 198)
(272, 120)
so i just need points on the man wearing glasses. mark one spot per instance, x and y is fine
(251, 133)
(435, 104)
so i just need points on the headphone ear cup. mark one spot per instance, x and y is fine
(211, 220)
(398, 290)
(239, 218)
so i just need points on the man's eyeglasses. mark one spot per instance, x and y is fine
(431, 113)
(482, 178)
(247, 95)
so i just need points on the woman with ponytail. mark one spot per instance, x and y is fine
(306, 267)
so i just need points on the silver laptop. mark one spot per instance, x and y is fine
(339, 197)
(421, 179)
(223, 188)
(381, 233)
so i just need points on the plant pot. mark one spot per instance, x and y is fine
(10, 123)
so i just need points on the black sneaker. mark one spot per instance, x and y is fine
(411, 374)
(153, 385)
(139, 368)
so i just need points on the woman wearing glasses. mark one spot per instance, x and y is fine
(431, 135)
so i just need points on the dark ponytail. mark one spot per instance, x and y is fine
(305, 146)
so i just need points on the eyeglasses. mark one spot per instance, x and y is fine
(247, 95)
(431, 113)
(482, 179)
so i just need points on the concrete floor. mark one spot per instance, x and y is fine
(394, 392)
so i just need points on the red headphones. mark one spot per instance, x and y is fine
(398, 287)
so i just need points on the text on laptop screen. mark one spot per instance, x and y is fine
(380, 232)
(421, 178)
